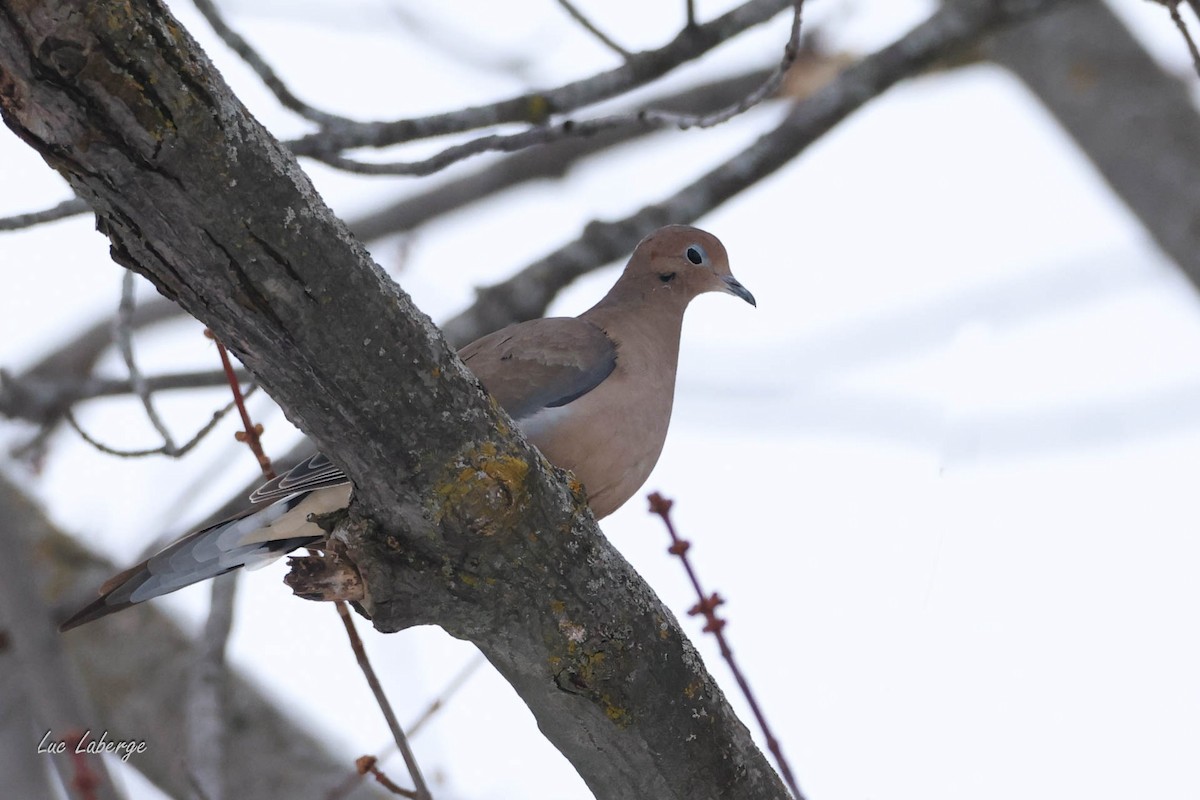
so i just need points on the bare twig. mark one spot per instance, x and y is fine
(206, 700)
(640, 68)
(448, 691)
(179, 452)
(251, 431)
(768, 88)
(123, 337)
(691, 13)
(553, 161)
(706, 606)
(33, 398)
(71, 362)
(66, 208)
(451, 688)
(536, 107)
(545, 134)
(369, 765)
(360, 653)
(1172, 7)
(578, 16)
(492, 143)
(268, 76)
(457, 44)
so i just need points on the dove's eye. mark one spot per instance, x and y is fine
(696, 254)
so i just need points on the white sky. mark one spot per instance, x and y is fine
(944, 473)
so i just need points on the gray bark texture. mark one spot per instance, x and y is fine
(457, 522)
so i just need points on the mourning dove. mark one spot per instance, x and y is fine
(592, 392)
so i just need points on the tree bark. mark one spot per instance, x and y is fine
(457, 521)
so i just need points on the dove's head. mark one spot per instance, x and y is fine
(679, 262)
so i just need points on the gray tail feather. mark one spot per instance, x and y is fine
(194, 558)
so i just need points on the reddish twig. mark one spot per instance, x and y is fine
(360, 653)
(369, 765)
(706, 606)
(85, 781)
(251, 432)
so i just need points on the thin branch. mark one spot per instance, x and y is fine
(448, 691)
(492, 143)
(251, 431)
(545, 134)
(109, 387)
(550, 162)
(691, 13)
(1172, 7)
(640, 68)
(123, 337)
(578, 16)
(457, 44)
(67, 208)
(207, 708)
(364, 663)
(439, 702)
(32, 398)
(268, 76)
(706, 606)
(536, 107)
(179, 452)
(369, 765)
(768, 88)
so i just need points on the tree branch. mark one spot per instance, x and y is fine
(67, 208)
(587, 25)
(553, 160)
(115, 95)
(536, 108)
(261, 68)
(645, 119)
(1098, 80)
